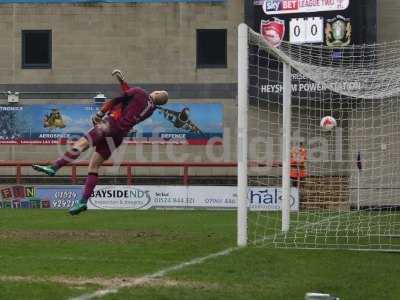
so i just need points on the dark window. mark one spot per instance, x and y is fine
(211, 48)
(36, 49)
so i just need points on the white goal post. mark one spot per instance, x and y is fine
(242, 134)
(333, 189)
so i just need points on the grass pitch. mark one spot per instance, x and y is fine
(50, 255)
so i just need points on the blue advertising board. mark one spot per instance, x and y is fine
(19, 196)
(189, 123)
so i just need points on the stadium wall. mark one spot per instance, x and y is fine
(388, 20)
(374, 130)
(154, 44)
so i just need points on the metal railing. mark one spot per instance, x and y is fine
(128, 165)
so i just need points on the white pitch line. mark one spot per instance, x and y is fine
(158, 274)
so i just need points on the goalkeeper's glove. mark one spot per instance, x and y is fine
(96, 119)
(117, 73)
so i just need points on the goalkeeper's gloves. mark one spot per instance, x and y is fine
(117, 73)
(96, 119)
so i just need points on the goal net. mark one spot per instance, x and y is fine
(333, 189)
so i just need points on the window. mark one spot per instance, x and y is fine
(211, 48)
(36, 49)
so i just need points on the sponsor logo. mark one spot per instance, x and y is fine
(272, 7)
(270, 197)
(17, 192)
(338, 31)
(116, 197)
(290, 5)
(38, 197)
(273, 30)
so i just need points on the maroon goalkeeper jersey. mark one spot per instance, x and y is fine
(137, 107)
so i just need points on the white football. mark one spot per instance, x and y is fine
(328, 122)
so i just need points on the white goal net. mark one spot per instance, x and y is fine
(342, 185)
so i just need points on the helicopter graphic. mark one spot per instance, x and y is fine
(53, 120)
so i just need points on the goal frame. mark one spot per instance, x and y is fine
(242, 140)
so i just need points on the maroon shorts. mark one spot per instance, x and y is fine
(104, 141)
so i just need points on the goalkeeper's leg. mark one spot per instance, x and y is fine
(93, 137)
(68, 157)
(104, 149)
(91, 181)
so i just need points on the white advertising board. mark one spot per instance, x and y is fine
(186, 197)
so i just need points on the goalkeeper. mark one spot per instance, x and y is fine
(111, 124)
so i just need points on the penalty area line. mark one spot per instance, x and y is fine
(161, 273)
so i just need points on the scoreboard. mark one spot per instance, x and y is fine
(334, 23)
(329, 22)
(306, 30)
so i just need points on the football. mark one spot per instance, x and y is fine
(328, 122)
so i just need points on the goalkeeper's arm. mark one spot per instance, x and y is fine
(120, 77)
(107, 106)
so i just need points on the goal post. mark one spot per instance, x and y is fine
(242, 134)
(286, 129)
(243, 74)
(298, 185)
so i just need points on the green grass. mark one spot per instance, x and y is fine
(42, 246)
(40, 291)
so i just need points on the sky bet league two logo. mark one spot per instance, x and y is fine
(272, 7)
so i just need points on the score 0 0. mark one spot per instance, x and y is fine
(309, 30)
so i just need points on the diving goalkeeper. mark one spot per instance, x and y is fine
(111, 124)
